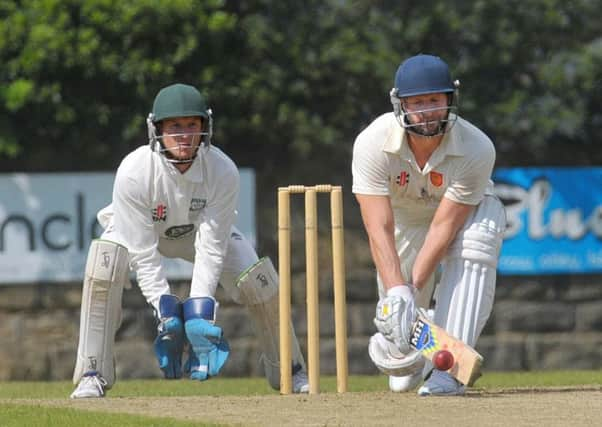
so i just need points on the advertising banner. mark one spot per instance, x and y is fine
(48, 220)
(554, 220)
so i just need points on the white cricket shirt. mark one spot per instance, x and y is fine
(154, 205)
(459, 169)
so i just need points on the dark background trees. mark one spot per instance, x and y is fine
(291, 82)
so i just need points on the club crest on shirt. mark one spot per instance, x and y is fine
(402, 179)
(159, 213)
(436, 178)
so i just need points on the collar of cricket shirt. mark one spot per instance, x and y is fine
(195, 171)
(452, 143)
(395, 139)
(396, 142)
(193, 174)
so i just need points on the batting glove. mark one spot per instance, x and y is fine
(395, 316)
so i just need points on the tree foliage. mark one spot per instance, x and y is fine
(291, 83)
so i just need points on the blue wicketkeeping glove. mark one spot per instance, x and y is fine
(169, 344)
(208, 349)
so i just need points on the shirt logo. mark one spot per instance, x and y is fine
(160, 213)
(436, 179)
(197, 204)
(402, 179)
(178, 231)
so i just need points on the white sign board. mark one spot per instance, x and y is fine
(48, 220)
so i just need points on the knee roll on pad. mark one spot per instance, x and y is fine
(480, 240)
(258, 287)
(107, 269)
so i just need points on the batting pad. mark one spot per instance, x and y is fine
(258, 287)
(106, 272)
(466, 292)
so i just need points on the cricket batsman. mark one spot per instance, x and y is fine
(422, 178)
(176, 197)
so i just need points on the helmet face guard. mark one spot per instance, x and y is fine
(156, 136)
(423, 75)
(177, 101)
(420, 127)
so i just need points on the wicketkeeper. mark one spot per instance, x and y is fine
(176, 197)
(421, 175)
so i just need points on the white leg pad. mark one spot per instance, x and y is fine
(464, 297)
(258, 287)
(107, 269)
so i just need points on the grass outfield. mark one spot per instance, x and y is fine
(15, 410)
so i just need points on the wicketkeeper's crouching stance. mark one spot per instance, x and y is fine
(176, 198)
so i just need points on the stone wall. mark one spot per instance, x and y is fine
(543, 323)
(548, 322)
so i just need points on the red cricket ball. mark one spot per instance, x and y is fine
(443, 360)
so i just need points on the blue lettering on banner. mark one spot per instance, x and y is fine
(554, 220)
(48, 220)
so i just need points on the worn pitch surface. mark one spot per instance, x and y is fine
(567, 406)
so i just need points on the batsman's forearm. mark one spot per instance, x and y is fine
(448, 219)
(437, 240)
(386, 260)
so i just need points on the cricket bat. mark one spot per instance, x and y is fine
(429, 338)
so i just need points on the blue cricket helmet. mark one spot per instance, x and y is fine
(422, 74)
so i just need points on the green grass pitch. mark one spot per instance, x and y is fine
(19, 401)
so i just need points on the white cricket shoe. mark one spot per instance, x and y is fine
(300, 383)
(91, 385)
(405, 383)
(441, 383)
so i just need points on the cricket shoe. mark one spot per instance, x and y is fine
(91, 385)
(300, 384)
(440, 383)
(405, 383)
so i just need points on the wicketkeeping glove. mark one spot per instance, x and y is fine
(395, 316)
(209, 351)
(169, 344)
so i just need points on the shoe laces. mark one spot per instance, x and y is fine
(93, 380)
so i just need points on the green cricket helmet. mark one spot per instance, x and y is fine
(178, 100)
